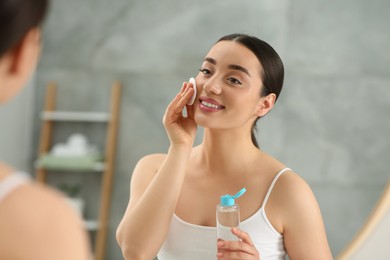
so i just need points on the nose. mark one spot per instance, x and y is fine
(213, 85)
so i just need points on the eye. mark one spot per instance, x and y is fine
(205, 71)
(234, 81)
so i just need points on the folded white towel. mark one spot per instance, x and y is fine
(76, 145)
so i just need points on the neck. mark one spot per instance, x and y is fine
(227, 151)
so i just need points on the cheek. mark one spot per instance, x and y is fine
(200, 81)
(243, 99)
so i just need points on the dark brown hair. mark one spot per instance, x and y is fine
(272, 75)
(17, 17)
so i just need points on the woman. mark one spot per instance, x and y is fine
(35, 222)
(171, 212)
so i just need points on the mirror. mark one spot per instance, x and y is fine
(329, 125)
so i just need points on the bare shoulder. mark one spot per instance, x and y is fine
(144, 172)
(294, 200)
(151, 161)
(299, 218)
(36, 211)
(291, 183)
(35, 199)
(292, 190)
(147, 166)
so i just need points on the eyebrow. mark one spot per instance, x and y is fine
(230, 66)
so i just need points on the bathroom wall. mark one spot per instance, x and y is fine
(330, 124)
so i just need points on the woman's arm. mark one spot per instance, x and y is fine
(154, 196)
(300, 216)
(153, 200)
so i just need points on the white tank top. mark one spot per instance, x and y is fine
(12, 182)
(186, 241)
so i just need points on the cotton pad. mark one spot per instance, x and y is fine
(192, 100)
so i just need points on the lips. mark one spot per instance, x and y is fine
(210, 105)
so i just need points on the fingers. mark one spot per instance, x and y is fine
(183, 88)
(190, 108)
(236, 250)
(181, 128)
(244, 249)
(170, 114)
(244, 236)
(185, 93)
(175, 108)
(190, 111)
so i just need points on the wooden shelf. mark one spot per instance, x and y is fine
(98, 167)
(49, 116)
(75, 116)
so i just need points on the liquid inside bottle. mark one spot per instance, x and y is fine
(227, 217)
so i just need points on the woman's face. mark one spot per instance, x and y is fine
(229, 87)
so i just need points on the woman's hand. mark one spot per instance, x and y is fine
(181, 130)
(244, 249)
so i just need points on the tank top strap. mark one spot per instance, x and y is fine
(272, 185)
(11, 182)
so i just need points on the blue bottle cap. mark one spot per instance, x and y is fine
(228, 200)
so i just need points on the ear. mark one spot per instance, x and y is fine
(17, 65)
(24, 56)
(265, 105)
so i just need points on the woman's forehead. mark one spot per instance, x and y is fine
(230, 52)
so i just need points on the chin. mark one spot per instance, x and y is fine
(209, 122)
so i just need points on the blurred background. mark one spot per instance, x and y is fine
(329, 124)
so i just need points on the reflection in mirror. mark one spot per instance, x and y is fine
(373, 239)
(330, 125)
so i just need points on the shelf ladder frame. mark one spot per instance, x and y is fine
(110, 152)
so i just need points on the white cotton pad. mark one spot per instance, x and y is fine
(192, 100)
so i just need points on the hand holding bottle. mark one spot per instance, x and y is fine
(242, 249)
(232, 242)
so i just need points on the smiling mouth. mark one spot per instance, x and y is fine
(209, 105)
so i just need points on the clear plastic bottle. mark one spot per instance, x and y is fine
(228, 216)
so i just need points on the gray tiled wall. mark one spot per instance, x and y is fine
(330, 124)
